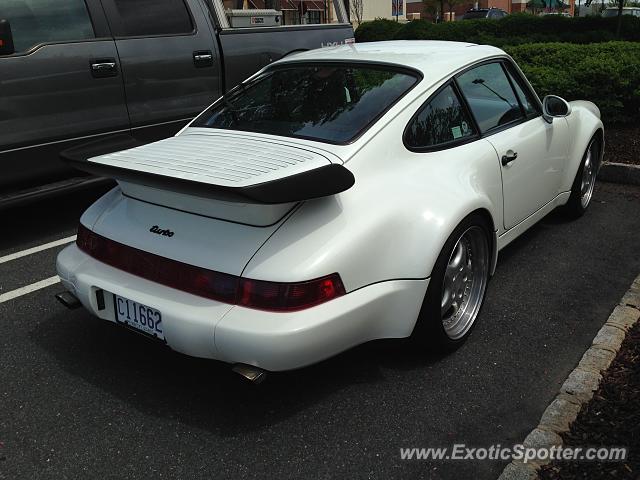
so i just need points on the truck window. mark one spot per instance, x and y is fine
(34, 22)
(152, 17)
(331, 103)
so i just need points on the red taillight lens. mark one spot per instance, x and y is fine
(280, 297)
(289, 296)
(174, 274)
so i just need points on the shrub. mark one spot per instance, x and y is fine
(571, 57)
(607, 74)
(379, 29)
(510, 30)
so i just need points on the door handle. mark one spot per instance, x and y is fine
(106, 67)
(203, 58)
(509, 157)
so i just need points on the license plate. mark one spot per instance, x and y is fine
(146, 319)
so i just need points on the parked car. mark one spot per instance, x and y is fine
(555, 14)
(72, 70)
(613, 11)
(338, 196)
(476, 13)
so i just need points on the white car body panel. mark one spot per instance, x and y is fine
(259, 215)
(358, 225)
(210, 243)
(382, 236)
(536, 175)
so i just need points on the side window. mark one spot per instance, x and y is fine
(152, 17)
(443, 120)
(34, 22)
(490, 96)
(526, 98)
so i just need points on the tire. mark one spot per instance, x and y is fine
(584, 182)
(466, 252)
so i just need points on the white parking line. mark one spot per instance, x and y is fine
(40, 248)
(5, 297)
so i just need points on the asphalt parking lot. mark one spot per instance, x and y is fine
(80, 398)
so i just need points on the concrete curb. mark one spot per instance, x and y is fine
(579, 386)
(619, 173)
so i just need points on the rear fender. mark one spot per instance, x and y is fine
(393, 223)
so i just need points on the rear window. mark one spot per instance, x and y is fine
(329, 103)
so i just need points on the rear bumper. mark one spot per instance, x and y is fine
(273, 341)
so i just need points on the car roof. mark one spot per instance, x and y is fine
(434, 59)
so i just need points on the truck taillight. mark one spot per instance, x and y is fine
(258, 294)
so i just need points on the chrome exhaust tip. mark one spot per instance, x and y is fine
(69, 300)
(253, 374)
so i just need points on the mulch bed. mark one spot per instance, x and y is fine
(622, 144)
(610, 419)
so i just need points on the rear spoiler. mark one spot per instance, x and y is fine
(318, 182)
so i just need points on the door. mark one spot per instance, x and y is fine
(169, 62)
(61, 85)
(532, 152)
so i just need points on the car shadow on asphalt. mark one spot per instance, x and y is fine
(206, 393)
(555, 217)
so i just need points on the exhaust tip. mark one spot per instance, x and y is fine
(253, 374)
(68, 299)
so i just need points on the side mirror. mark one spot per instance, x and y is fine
(6, 38)
(553, 106)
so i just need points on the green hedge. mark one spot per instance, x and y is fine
(607, 74)
(584, 66)
(510, 30)
(377, 30)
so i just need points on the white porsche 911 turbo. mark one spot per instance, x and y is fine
(337, 196)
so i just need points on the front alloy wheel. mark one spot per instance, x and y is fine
(589, 170)
(585, 181)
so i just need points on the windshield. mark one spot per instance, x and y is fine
(611, 12)
(329, 103)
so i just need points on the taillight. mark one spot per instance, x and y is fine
(258, 294)
(289, 296)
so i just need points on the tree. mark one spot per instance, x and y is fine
(450, 5)
(431, 7)
(619, 27)
(357, 10)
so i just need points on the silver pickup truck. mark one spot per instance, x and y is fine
(76, 70)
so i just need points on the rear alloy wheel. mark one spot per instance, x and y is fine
(465, 281)
(585, 181)
(457, 286)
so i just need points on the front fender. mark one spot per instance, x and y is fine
(584, 122)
